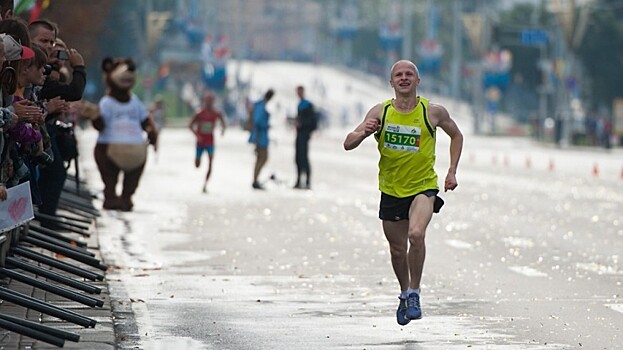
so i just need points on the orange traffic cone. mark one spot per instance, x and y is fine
(551, 165)
(595, 169)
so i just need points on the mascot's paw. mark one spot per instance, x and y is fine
(152, 136)
(88, 110)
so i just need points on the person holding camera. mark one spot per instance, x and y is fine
(44, 33)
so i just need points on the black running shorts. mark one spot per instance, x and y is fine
(396, 209)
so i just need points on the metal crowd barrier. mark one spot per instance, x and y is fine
(29, 254)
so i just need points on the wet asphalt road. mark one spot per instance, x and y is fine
(526, 253)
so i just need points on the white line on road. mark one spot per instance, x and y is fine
(615, 307)
(527, 271)
(519, 242)
(599, 268)
(455, 243)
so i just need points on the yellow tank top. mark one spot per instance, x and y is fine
(406, 143)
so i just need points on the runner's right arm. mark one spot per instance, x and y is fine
(368, 126)
(191, 124)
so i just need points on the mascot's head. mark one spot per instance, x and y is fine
(120, 77)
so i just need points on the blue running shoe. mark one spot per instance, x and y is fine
(401, 313)
(413, 307)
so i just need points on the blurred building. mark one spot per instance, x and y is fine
(266, 29)
(508, 4)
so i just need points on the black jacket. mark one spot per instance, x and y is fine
(68, 92)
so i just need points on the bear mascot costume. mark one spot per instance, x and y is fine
(122, 121)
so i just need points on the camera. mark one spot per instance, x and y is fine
(62, 55)
(49, 68)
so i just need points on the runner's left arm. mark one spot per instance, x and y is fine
(448, 125)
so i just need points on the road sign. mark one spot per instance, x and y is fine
(533, 37)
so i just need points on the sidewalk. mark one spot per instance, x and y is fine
(101, 336)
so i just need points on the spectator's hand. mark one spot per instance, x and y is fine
(3, 194)
(28, 112)
(75, 58)
(55, 75)
(74, 107)
(57, 105)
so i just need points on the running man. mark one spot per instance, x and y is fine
(202, 125)
(405, 129)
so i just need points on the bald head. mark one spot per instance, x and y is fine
(404, 63)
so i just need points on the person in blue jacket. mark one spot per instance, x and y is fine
(259, 135)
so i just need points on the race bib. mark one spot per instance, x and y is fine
(402, 137)
(207, 128)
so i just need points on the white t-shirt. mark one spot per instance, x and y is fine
(122, 120)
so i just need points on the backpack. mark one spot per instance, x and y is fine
(68, 147)
(310, 118)
(66, 141)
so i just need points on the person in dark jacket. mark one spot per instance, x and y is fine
(53, 176)
(306, 123)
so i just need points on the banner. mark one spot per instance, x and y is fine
(17, 208)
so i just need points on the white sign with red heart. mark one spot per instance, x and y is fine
(17, 208)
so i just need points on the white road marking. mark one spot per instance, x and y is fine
(599, 268)
(519, 242)
(615, 307)
(527, 271)
(455, 243)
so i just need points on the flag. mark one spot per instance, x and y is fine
(36, 10)
(23, 6)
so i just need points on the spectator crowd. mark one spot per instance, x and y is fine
(40, 80)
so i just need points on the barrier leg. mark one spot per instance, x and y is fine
(48, 309)
(32, 333)
(41, 328)
(64, 292)
(89, 260)
(56, 242)
(54, 234)
(58, 264)
(12, 262)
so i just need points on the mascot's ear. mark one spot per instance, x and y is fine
(107, 64)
